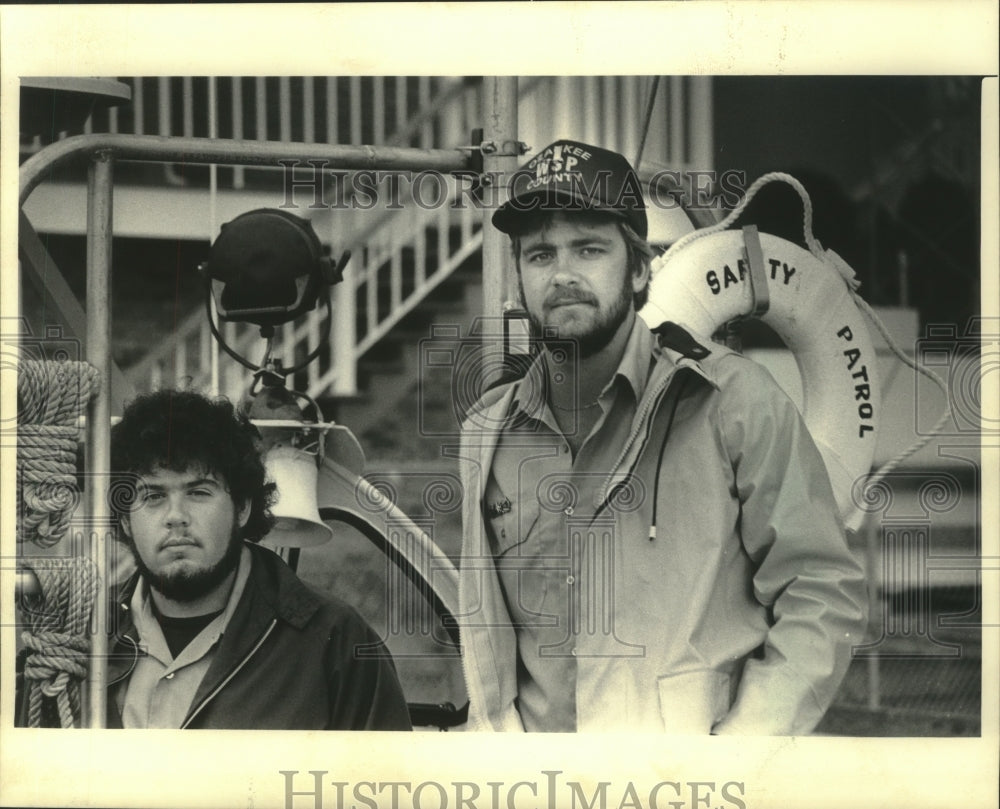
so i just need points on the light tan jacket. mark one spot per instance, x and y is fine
(739, 616)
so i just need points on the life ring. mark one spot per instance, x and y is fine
(708, 282)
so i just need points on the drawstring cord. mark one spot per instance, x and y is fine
(659, 460)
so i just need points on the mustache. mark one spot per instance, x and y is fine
(565, 296)
(175, 540)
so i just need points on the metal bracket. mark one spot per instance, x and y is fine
(481, 149)
(490, 147)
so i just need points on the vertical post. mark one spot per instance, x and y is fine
(332, 127)
(500, 160)
(609, 127)
(213, 214)
(678, 122)
(378, 110)
(138, 108)
(632, 113)
(424, 96)
(702, 147)
(99, 229)
(355, 120)
(239, 177)
(187, 98)
(501, 150)
(401, 110)
(343, 334)
(285, 108)
(308, 110)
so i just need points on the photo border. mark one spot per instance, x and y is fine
(168, 768)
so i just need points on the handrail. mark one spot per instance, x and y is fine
(156, 148)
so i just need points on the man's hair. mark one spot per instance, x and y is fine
(639, 253)
(181, 430)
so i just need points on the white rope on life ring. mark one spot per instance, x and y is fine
(704, 281)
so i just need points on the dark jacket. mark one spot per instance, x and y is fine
(289, 659)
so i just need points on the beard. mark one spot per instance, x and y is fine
(600, 333)
(190, 585)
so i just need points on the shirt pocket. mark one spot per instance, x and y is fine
(511, 530)
(510, 517)
(693, 702)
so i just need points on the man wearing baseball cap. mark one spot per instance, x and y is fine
(650, 538)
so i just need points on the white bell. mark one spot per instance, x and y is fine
(298, 522)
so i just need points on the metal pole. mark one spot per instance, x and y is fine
(235, 152)
(501, 152)
(213, 216)
(344, 336)
(99, 224)
(702, 146)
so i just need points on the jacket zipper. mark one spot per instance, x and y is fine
(209, 697)
(122, 639)
(465, 653)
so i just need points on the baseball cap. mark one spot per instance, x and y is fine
(569, 175)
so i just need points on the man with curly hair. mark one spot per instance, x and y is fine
(212, 630)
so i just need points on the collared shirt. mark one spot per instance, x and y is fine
(161, 687)
(539, 503)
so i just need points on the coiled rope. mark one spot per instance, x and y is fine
(843, 268)
(51, 397)
(58, 636)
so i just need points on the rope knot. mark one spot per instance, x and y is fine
(56, 656)
(832, 258)
(57, 635)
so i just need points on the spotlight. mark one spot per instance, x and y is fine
(267, 267)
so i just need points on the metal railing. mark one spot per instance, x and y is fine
(380, 110)
(415, 111)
